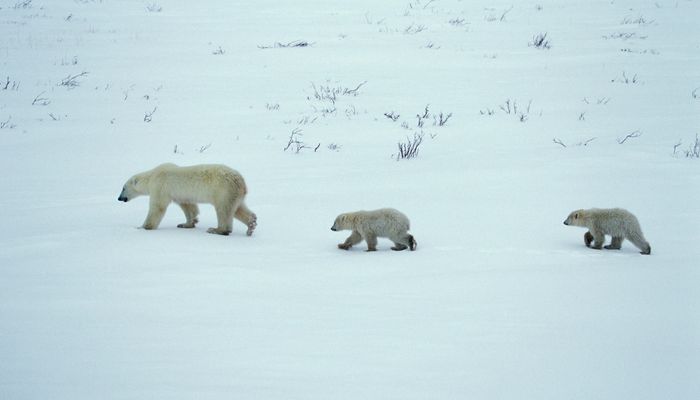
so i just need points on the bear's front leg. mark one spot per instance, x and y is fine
(588, 239)
(156, 211)
(598, 239)
(191, 211)
(353, 239)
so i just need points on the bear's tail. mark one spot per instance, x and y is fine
(412, 244)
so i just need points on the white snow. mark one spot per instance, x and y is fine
(500, 301)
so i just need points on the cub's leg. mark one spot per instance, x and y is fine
(191, 211)
(352, 240)
(371, 240)
(598, 239)
(248, 217)
(616, 243)
(156, 211)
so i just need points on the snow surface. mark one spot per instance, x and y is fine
(500, 301)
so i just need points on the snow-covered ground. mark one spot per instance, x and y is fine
(500, 301)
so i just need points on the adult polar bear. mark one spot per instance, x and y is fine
(207, 183)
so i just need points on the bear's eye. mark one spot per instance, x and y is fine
(575, 216)
(135, 181)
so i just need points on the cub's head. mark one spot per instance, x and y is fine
(342, 222)
(575, 218)
(136, 186)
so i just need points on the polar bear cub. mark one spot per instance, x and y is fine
(369, 225)
(187, 186)
(616, 222)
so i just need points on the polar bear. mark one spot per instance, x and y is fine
(207, 183)
(616, 222)
(368, 225)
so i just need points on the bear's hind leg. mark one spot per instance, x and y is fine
(224, 215)
(616, 243)
(641, 244)
(248, 217)
(403, 242)
(371, 240)
(191, 211)
(352, 240)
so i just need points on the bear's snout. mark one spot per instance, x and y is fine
(566, 223)
(123, 198)
(333, 228)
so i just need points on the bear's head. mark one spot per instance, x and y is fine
(576, 218)
(342, 222)
(136, 186)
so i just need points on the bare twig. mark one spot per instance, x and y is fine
(41, 101)
(559, 142)
(148, 116)
(634, 134)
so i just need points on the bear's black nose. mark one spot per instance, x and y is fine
(122, 198)
(333, 229)
(565, 223)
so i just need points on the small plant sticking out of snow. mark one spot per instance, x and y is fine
(71, 81)
(41, 101)
(438, 119)
(296, 144)
(392, 116)
(9, 85)
(7, 124)
(148, 116)
(511, 107)
(23, 5)
(582, 143)
(636, 21)
(693, 151)
(294, 43)
(631, 135)
(218, 51)
(493, 15)
(441, 119)
(409, 149)
(540, 41)
(696, 93)
(626, 79)
(330, 93)
(414, 29)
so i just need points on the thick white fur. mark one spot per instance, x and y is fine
(187, 186)
(616, 222)
(369, 225)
